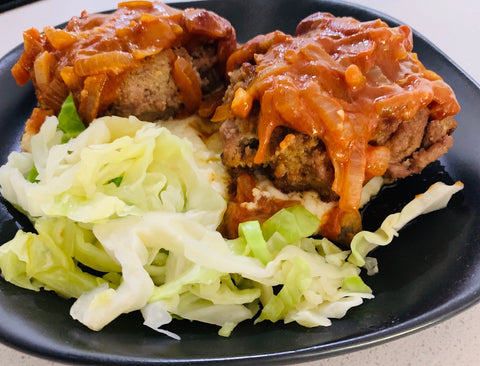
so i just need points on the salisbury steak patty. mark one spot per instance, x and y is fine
(297, 162)
(330, 108)
(145, 59)
(294, 162)
(148, 92)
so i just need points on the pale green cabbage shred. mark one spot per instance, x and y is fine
(139, 205)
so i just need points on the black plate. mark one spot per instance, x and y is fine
(429, 273)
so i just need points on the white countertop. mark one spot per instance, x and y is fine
(452, 26)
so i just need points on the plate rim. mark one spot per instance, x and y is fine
(413, 325)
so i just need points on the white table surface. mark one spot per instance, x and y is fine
(454, 27)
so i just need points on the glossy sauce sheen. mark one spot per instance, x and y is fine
(91, 56)
(337, 79)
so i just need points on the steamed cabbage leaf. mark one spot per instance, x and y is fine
(49, 259)
(77, 179)
(435, 198)
(126, 215)
(68, 120)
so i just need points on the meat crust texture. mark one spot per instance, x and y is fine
(331, 107)
(145, 59)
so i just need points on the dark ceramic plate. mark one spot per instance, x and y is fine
(429, 273)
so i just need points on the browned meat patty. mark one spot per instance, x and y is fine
(149, 91)
(436, 140)
(145, 59)
(331, 107)
(302, 162)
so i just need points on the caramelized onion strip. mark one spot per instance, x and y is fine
(188, 83)
(113, 62)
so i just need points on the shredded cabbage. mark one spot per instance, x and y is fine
(435, 198)
(140, 206)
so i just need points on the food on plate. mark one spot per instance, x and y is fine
(328, 109)
(125, 215)
(207, 221)
(136, 204)
(145, 59)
